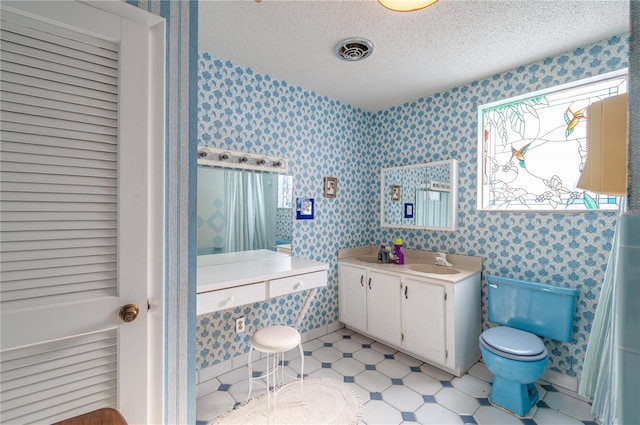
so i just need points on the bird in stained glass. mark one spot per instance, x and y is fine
(571, 119)
(519, 154)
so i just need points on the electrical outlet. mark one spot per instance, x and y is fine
(240, 325)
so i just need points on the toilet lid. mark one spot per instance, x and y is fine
(513, 343)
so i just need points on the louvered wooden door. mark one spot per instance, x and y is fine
(74, 212)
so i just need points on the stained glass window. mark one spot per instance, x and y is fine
(532, 148)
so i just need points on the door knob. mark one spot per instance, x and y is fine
(129, 312)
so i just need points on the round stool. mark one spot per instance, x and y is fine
(274, 341)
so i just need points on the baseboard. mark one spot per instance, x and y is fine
(561, 380)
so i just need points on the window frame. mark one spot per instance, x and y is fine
(482, 201)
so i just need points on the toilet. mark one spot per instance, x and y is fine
(514, 352)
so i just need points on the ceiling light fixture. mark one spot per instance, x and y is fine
(406, 5)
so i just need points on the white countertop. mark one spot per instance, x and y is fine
(465, 264)
(221, 271)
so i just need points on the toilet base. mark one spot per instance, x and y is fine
(513, 396)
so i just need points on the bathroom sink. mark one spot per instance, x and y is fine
(368, 259)
(430, 268)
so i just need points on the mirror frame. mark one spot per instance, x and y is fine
(453, 211)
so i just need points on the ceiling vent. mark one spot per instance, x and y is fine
(354, 49)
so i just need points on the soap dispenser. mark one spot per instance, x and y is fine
(383, 255)
(397, 249)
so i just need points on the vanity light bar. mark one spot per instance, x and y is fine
(230, 159)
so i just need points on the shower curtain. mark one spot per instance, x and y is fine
(599, 376)
(246, 211)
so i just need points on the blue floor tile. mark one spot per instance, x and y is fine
(396, 381)
(468, 420)
(429, 399)
(375, 396)
(349, 379)
(370, 367)
(408, 416)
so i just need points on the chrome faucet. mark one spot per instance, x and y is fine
(441, 260)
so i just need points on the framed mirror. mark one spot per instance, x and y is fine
(244, 202)
(421, 196)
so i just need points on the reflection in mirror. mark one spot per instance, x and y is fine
(427, 196)
(242, 210)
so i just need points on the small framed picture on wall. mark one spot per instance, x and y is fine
(330, 187)
(395, 192)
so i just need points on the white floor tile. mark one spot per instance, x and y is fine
(237, 375)
(393, 368)
(207, 387)
(361, 339)
(407, 359)
(421, 393)
(332, 337)
(361, 393)
(546, 416)
(402, 398)
(440, 375)
(348, 367)
(368, 356)
(423, 384)
(378, 412)
(479, 370)
(432, 413)
(214, 405)
(310, 364)
(347, 346)
(384, 349)
(457, 401)
(240, 390)
(314, 344)
(373, 381)
(327, 354)
(473, 386)
(327, 373)
(568, 405)
(489, 415)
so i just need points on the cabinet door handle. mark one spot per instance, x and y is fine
(361, 280)
(369, 283)
(406, 288)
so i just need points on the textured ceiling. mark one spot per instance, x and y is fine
(415, 54)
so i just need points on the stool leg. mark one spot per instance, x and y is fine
(250, 366)
(301, 361)
(304, 398)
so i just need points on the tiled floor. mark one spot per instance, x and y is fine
(397, 388)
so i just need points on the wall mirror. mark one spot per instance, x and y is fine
(242, 208)
(421, 196)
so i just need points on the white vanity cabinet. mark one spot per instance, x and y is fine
(384, 307)
(370, 302)
(435, 320)
(424, 308)
(352, 296)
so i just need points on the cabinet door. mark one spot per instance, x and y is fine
(384, 312)
(352, 296)
(424, 308)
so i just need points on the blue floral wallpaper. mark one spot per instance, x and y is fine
(245, 111)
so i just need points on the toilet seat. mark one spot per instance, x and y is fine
(513, 344)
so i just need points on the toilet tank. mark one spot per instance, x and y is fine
(541, 309)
